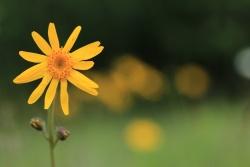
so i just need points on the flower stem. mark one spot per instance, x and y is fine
(51, 133)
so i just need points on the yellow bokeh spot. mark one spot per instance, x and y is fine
(139, 77)
(143, 135)
(192, 81)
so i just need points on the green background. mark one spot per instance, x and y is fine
(211, 131)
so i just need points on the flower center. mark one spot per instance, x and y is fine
(59, 64)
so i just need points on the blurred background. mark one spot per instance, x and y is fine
(174, 83)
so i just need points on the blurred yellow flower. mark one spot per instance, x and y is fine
(192, 81)
(143, 135)
(139, 77)
(59, 65)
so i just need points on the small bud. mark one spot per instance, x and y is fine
(37, 124)
(62, 133)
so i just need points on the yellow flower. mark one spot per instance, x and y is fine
(58, 64)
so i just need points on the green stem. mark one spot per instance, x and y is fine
(51, 133)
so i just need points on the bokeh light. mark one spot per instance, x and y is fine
(242, 63)
(139, 77)
(192, 81)
(143, 135)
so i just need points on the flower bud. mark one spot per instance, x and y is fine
(62, 133)
(37, 124)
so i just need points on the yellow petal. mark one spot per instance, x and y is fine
(83, 65)
(83, 79)
(41, 43)
(71, 40)
(32, 57)
(53, 38)
(87, 52)
(82, 86)
(64, 97)
(37, 93)
(33, 73)
(50, 94)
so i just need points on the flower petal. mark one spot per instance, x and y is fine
(37, 93)
(31, 74)
(51, 92)
(41, 43)
(32, 57)
(83, 79)
(53, 38)
(83, 65)
(64, 97)
(71, 40)
(87, 52)
(82, 86)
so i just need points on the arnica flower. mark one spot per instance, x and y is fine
(59, 65)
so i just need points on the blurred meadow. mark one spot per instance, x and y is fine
(174, 84)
